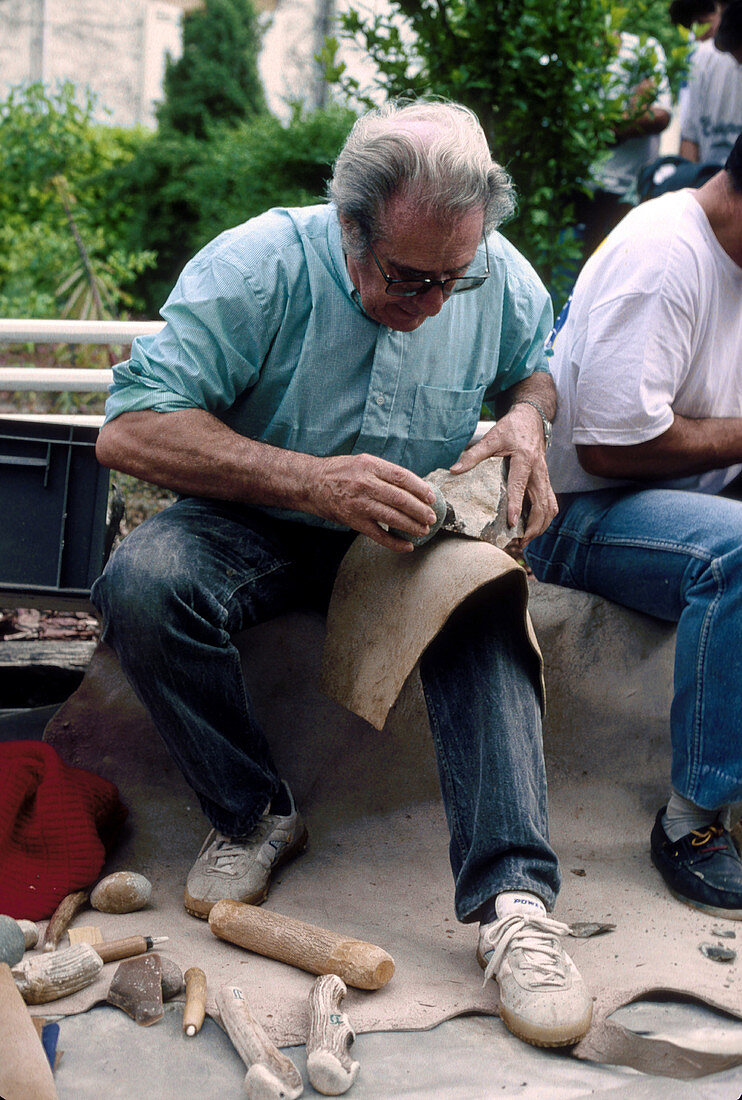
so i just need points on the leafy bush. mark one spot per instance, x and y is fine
(54, 208)
(183, 191)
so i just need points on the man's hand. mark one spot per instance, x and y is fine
(363, 492)
(519, 436)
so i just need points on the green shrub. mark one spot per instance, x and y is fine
(183, 191)
(55, 210)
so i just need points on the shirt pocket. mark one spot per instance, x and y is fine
(442, 423)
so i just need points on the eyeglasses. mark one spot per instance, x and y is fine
(410, 288)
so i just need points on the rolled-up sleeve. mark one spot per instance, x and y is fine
(208, 353)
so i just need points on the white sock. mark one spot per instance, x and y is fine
(520, 902)
(511, 902)
(683, 816)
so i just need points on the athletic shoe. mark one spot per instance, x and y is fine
(242, 869)
(703, 868)
(543, 999)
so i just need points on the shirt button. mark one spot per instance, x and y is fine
(380, 399)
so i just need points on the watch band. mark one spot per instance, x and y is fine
(544, 418)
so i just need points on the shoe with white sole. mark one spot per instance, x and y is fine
(543, 999)
(242, 869)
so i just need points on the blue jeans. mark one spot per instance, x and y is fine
(180, 585)
(678, 556)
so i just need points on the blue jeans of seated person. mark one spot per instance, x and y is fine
(180, 585)
(678, 556)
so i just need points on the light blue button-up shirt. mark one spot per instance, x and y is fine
(266, 331)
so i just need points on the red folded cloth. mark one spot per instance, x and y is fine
(56, 824)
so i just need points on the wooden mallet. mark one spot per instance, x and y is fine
(318, 950)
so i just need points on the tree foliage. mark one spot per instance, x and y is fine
(216, 79)
(536, 75)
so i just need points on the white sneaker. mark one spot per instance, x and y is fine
(242, 869)
(543, 999)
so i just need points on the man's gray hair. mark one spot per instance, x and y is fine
(434, 151)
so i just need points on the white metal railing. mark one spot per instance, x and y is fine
(74, 332)
(79, 379)
(65, 379)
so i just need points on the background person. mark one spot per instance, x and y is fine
(647, 113)
(712, 110)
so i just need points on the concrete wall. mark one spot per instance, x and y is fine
(117, 50)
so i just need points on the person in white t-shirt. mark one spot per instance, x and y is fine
(712, 107)
(648, 433)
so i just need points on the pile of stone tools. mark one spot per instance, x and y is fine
(35, 977)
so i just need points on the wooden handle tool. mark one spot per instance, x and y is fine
(195, 1002)
(24, 1068)
(111, 950)
(270, 1074)
(317, 950)
(330, 1067)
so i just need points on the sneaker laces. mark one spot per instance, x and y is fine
(222, 855)
(537, 938)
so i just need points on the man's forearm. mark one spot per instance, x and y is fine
(652, 121)
(689, 149)
(688, 447)
(193, 452)
(539, 388)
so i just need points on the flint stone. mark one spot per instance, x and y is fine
(478, 500)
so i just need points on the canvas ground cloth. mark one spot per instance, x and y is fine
(377, 866)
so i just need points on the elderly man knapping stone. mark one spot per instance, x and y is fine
(315, 365)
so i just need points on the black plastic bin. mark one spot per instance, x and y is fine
(53, 502)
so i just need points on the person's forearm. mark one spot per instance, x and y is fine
(193, 452)
(688, 447)
(539, 388)
(652, 121)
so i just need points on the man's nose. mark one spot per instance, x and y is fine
(431, 302)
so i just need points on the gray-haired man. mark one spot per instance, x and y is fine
(315, 365)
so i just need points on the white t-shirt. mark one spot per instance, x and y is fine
(618, 173)
(654, 328)
(712, 109)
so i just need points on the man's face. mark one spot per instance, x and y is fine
(414, 245)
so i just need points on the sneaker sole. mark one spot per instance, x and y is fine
(201, 909)
(539, 1037)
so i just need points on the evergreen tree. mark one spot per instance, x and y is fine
(216, 79)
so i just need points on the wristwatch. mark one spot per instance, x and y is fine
(544, 418)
